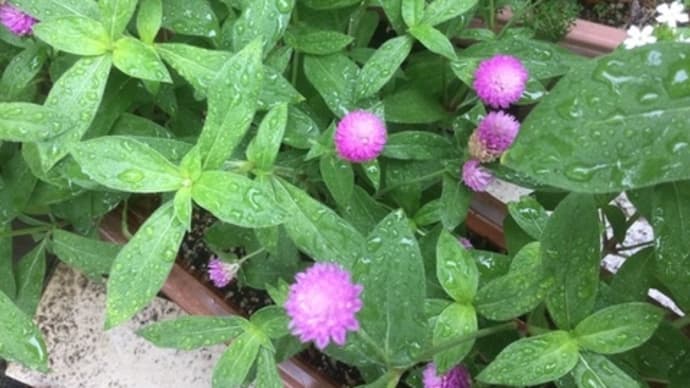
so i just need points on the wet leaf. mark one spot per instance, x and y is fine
(21, 70)
(334, 76)
(329, 4)
(190, 18)
(27, 122)
(263, 150)
(455, 320)
(439, 11)
(234, 365)
(7, 282)
(272, 321)
(116, 14)
(530, 215)
(418, 145)
(139, 60)
(338, 177)
(317, 42)
(74, 34)
(455, 268)
(434, 40)
(267, 371)
(21, 340)
(51, 9)
(597, 371)
(264, 19)
(381, 67)
(29, 273)
(93, 257)
(149, 19)
(192, 332)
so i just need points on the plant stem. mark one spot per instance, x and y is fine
(125, 226)
(681, 322)
(27, 231)
(453, 342)
(492, 14)
(250, 255)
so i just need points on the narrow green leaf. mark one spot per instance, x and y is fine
(149, 19)
(393, 11)
(317, 42)
(572, 261)
(272, 321)
(263, 150)
(141, 267)
(93, 257)
(530, 215)
(51, 9)
(413, 106)
(125, 164)
(116, 15)
(329, 4)
(183, 207)
(27, 122)
(197, 65)
(21, 341)
(455, 320)
(8, 284)
(418, 145)
(596, 371)
(30, 273)
(455, 201)
(634, 279)
(412, 11)
(301, 130)
(456, 269)
(261, 19)
(267, 375)
(234, 365)
(21, 70)
(192, 332)
(139, 60)
(339, 178)
(74, 34)
(334, 77)
(232, 101)
(237, 200)
(439, 11)
(618, 328)
(190, 18)
(433, 40)
(533, 360)
(381, 67)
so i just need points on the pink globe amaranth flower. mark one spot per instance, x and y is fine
(322, 304)
(458, 377)
(500, 80)
(15, 20)
(497, 132)
(360, 136)
(221, 273)
(466, 243)
(476, 177)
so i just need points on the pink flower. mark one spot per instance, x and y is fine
(466, 243)
(360, 136)
(322, 304)
(458, 377)
(497, 132)
(500, 80)
(476, 177)
(15, 20)
(221, 272)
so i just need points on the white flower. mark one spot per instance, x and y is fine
(672, 14)
(639, 37)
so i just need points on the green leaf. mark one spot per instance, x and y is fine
(596, 371)
(50, 9)
(317, 42)
(606, 144)
(329, 4)
(456, 269)
(116, 15)
(392, 274)
(141, 267)
(263, 150)
(316, 229)
(455, 320)
(671, 221)
(439, 11)
(139, 60)
(434, 40)
(530, 215)
(533, 360)
(93, 257)
(338, 177)
(198, 66)
(21, 341)
(455, 201)
(618, 328)
(149, 19)
(381, 67)
(237, 200)
(232, 100)
(21, 70)
(74, 34)
(77, 95)
(190, 18)
(183, 207)
(417, 145)
(634, 279)
(30, 272)
(7, 282)
(192, 332)
(412, 11)
(363, 211)
(267, 371)
(518, 292)
(234, 365)
(571, 254)
(333, 77)
(27, 122)
(272, 321)
(125, 164)
(264, 19)
(277, 90)
(413, 106)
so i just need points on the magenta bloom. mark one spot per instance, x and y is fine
(221, 273)
(497, 132)
(15, 20)
(360, 136)
(322, 304)
(500, 80)
(466, 243)
(475, 176)
(458, 377)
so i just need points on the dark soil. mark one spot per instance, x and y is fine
(620, 13)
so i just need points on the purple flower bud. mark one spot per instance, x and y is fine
(322, 305)
(466, 243)
(476, 177)
(15, 20)
(495, 134)
(500, 80)
(221, 273)
(458, 377)
(360, 136)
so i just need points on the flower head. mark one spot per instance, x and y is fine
(458, 377)
(476, 177)
(494, 135)
(639, 37)
(500, 80)
(221, 272)
(322, 304)
(466, 243)
(672, 14)
(15, 20)
(360, 136)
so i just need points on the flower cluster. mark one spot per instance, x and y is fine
(221, 273)
(458, 377)
(669, 16)
(499, 82)
(15, 20)
(360, 137)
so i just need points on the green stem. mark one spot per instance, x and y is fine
(453, 342)
(681, 322)
(492, 14)
(27, 231)
(380, 353)
(250, 255)
(125, 226)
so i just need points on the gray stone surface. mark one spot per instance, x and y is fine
(82, 354)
